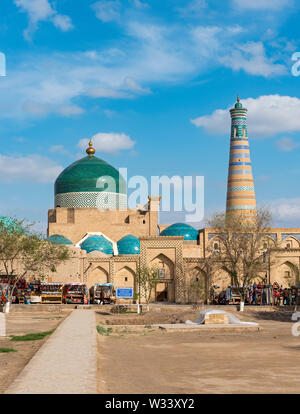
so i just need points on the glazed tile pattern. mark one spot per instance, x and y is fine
(103, 200)
(240, 188)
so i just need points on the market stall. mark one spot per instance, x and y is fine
(102, 293)
(35, 291)
(74, 293)
(51, 292)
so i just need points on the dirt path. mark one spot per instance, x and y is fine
(21, 323)
(66, 364)
(202, 362)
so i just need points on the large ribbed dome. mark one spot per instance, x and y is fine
(90, 182)
(181, 229)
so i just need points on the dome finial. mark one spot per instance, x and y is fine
(238, 98)
(90, 151)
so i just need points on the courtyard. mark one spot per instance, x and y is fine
(136, 354)
(155, 361)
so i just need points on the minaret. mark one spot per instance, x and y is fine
(240, 188)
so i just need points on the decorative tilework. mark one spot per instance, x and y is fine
(241, 172)
(231, 164)
(236, 147)
(239, 121)
(241, 188)
(242, 207)
(239, 155)
(103, 200)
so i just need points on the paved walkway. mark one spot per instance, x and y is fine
(66, 363)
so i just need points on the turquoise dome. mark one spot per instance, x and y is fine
(181, 229)
(98, 243)
(10, 223)
(58, 239)
(85, 175)
(129, 245)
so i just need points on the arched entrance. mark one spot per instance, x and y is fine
(98, 275)
(287, 274)
(124, 278)
(164, 290)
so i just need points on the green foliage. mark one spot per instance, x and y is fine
(7, 350)
(102, 331)
(31, 337)
(147, 278)
(24, 252)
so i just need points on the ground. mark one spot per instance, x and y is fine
(21, 323)
(147, 359)
(151, 361)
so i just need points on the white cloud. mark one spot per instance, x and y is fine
(107, 10)
(70, 110)
(98, 92)
(31, 168)
(286, 144)
(152, 53)
(285, 209)
(132, 85)
(262, 4)
(267, 115)
(41, 110)
(63, 22)
(251, 57)
(139, 4)
(42, 10)
(193, 8)
(60, 149)
(109, 143)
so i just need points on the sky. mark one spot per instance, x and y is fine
(152, 81)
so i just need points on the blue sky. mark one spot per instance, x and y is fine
(153, 81)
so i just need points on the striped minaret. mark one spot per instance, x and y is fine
(240, 188)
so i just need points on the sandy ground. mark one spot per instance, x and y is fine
(21, 323)
(151, 361)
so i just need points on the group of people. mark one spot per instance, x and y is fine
(258, 294)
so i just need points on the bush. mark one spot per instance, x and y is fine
(102, 331)
(118, 309)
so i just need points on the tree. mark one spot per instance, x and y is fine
(24, 252)
(147, 278)
(240, 251)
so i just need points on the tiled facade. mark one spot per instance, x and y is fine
(178, 252)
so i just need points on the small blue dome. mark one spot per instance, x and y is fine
(58, 239)
(99, 243)
(181, 229)
(129, 245)
(9, 223)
